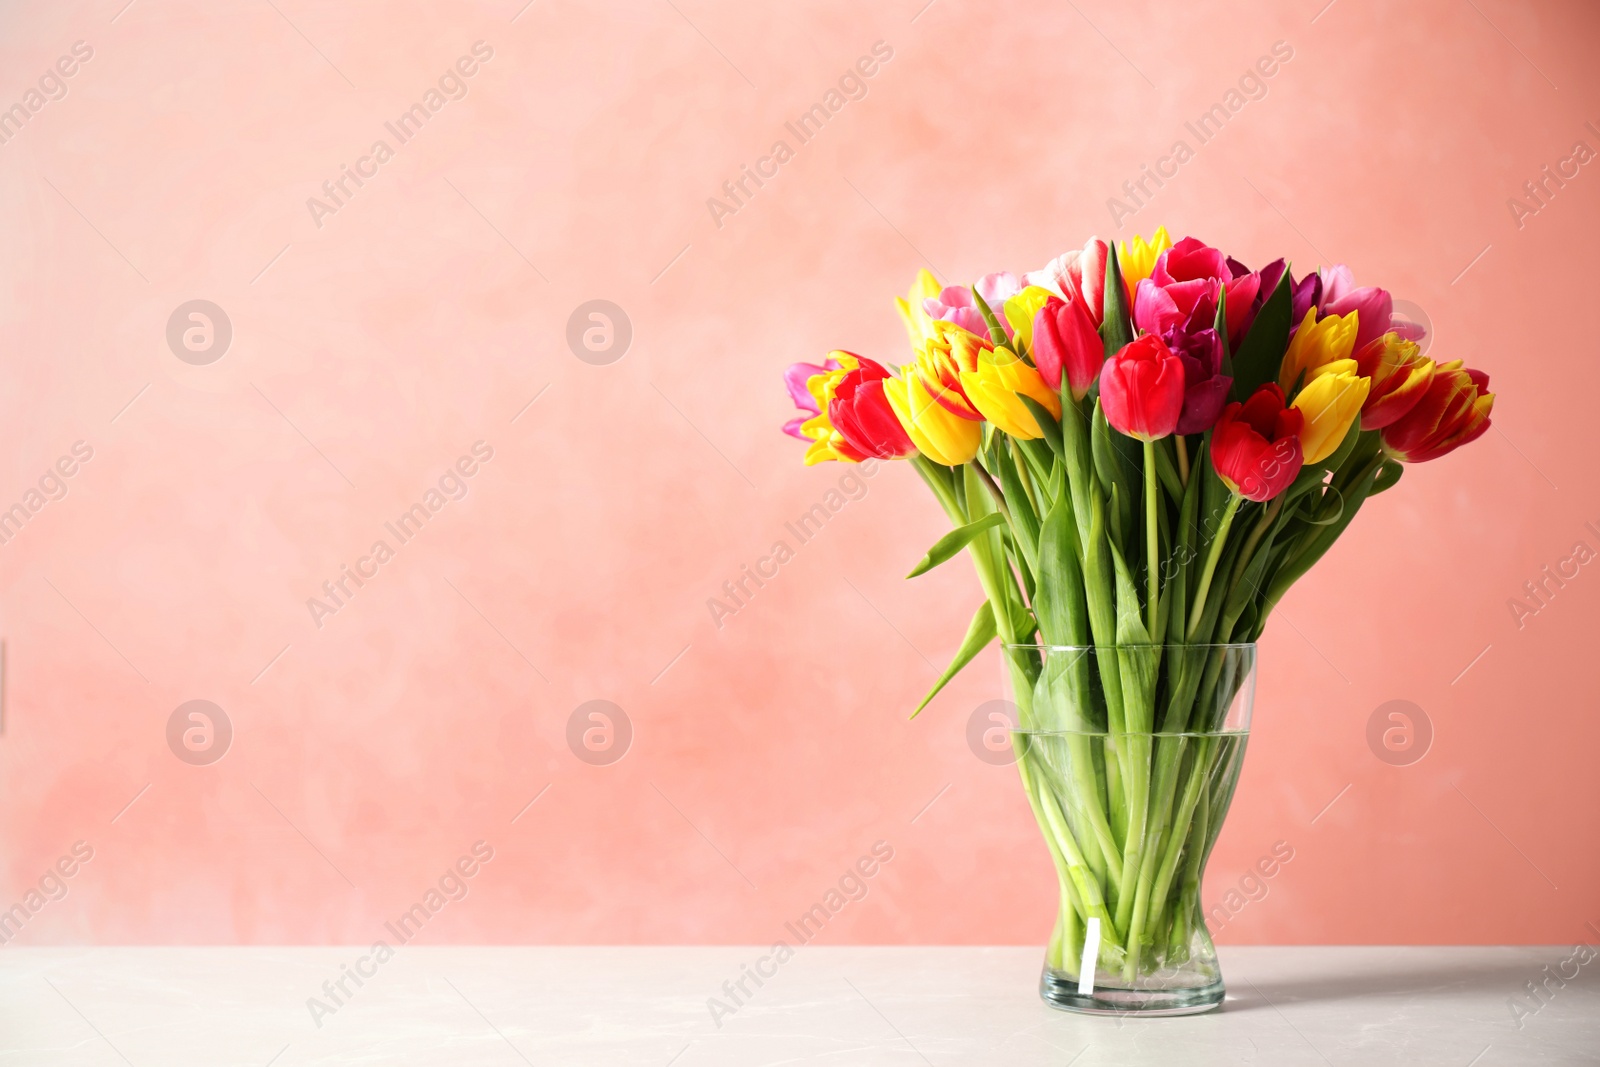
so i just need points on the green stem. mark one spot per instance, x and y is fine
(1212, 555)
(1253, 540)
(1183, 459)
(1152, 542)
(1078, 870)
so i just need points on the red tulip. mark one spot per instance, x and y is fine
(1141, 389)
(1255, 446)
(1453, 411)
(1065, 340)
(862, 415)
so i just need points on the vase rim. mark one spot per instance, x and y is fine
(1244, 733)
(1128, 648)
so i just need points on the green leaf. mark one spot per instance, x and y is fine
(954, 541)
(1137, 666)
(1310, 549)
(979, 634)
(1047, 422)
(1116, 329)
(1167, 471)
(1388, 474)
(1221, 326)
(1041, 463)
(1261, 352)
(1130, 611)
(1176, 590)
(1119, 462)
(997, 333)
(1024, 520)
(1059, 606)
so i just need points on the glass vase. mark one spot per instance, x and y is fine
(1129, 757)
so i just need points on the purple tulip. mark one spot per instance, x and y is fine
(1205, 386)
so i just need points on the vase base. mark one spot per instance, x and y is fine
(1060, 991)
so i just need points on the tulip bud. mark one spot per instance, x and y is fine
(1454, 410)
(1330, 402)
(1315, 344)
(827, 442)
(1065, 341)
(1255, 447)
(938, 433)
(1141, 389)
(1400, 375)
(996, 385)
(861, 413)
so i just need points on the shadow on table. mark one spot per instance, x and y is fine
(1366, 974)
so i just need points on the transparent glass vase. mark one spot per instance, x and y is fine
(1129, 757)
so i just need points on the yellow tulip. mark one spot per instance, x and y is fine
(919, 324)
(1316, 344)
(994, 387)
(938, 433)
(948, 351)
(1137, 260)
(1329, 403)
(1021, 309)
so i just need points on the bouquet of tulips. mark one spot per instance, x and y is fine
(1141, 448)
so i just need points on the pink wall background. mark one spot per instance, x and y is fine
(372, 351)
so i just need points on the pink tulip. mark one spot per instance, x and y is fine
(1065, 341)
(955, 303)
(1077, 275)
(1340, 296)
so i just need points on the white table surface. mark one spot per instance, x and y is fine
(171, 1007)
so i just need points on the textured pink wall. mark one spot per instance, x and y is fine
(372, 351)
